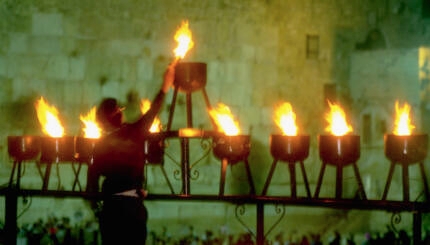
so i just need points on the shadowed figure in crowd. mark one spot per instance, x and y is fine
(118, 157)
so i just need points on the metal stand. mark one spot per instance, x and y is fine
(224, 164)
(405, 180)
(293, 185)
(185, 144)
(10, 229)
(339, 179)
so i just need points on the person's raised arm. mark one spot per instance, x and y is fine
(168, 78)
(145, 122)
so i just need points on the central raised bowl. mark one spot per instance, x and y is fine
(190, 76)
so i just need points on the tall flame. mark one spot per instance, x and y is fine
(184, 39)
(91, 129)
(224, 119)
(402, 124)
(285, 118)
(145, 105)
(48, 118)
(337, 121)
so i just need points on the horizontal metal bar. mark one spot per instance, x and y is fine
(383, 205)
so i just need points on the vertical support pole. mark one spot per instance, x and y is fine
(47, 175)
(185, 164)
(18, 176)
(10, 216)
(224, 164)
(417, 222)
(189, 111)
(339, 179)
(405, 178)
(260, 223)
(293, 185)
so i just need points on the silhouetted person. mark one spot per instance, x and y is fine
(118, 157)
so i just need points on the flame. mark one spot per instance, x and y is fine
(184, 39)
(91, 129)
(48, 118)
(402, 124)
(224, 119)
(285, 118)
(337, 122)
(145, 105)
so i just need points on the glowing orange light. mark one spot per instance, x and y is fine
(285, 118)
(402, 124)
(91, 129)
(224, 119)
(183, 37)
(145, 105)
(48, 118)
(337, 121)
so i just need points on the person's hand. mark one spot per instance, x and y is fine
(169, 77)
(144, 193)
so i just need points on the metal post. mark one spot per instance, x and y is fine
(260, 223)
(293, 185)
(185, 164)
(417, 220)
(339, 180)
(10, 216)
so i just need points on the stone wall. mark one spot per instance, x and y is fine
(73, 53)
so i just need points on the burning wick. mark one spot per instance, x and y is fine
(183, 37)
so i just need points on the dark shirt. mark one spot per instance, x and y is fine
(118, 156)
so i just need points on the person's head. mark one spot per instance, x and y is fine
(109, 114)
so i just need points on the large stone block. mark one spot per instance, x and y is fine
(47, 24)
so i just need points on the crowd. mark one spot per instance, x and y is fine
(56, 231)
(390, 237)
(60, 231)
